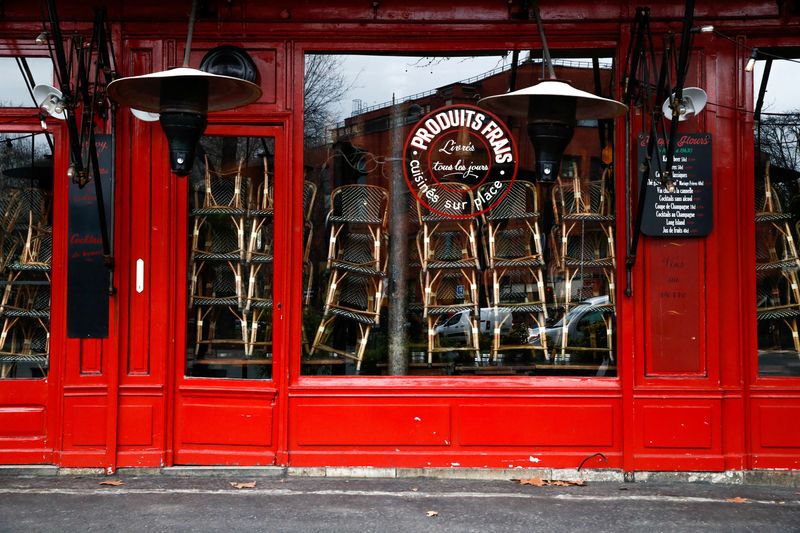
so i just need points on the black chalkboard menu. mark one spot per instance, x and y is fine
(687, 209)
(87, 274)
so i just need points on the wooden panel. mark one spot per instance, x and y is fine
(238, 425)
(22, 421)
(778, 426)
(676, 307)
(539, 425)
(677, 427)
(84, 425)
(136, 425)
(373, 425)
(91, 351)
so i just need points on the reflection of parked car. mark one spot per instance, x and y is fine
(585, 325)
(458, 327)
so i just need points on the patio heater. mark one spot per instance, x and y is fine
(183, 97)
(552, 108)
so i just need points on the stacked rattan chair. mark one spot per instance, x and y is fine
(231, 261)
(583, 242)
(27, 244)
(356, 267)
(448, 251)
(513, 277)
(777, 265)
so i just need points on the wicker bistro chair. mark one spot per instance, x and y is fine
(219, 221)
(448, 252)
(585, 248)
(514, 280)
(777, 264)
(353, 298)
(25, 304)
(356, 266)
(358, 218)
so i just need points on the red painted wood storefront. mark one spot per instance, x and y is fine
(687, 393)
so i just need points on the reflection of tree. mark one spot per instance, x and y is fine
(324, 86)
(778, 136)
(20, 150)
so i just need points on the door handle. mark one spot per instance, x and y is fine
(139, 275)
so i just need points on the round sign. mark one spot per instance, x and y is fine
(460, 149)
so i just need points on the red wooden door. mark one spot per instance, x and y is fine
(229, 298)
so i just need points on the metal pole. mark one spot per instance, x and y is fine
(545, 48)
(189, 35)
(398, 252)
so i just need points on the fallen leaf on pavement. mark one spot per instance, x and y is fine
(535, 481)
(414, 489)
(431, 514)
(243, 485)
(113, 482)
(562, 483)
(737, 499)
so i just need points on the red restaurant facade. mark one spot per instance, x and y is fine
(686, 381)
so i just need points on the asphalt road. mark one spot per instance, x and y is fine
(163, 503)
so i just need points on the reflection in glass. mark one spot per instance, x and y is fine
(777, 221)
(526, 288)
(26, 245)
(230, 259)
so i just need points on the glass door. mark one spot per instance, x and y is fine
(226, 396)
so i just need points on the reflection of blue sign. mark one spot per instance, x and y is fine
(459, 291)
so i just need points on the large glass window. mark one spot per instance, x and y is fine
(26, 245)
(777, 214)
(392, 286)
(230, 251)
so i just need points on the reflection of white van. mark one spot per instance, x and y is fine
(459, 326)
(579, 320)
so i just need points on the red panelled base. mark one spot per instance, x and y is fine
(491, 432)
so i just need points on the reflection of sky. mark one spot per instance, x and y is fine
(781, 86)
(375, 79)
(12, 85)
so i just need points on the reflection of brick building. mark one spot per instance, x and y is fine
(370, 129)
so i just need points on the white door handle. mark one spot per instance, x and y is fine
(139, 275)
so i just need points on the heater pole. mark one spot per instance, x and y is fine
(545, 49)
(189, 34)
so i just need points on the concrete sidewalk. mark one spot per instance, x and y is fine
(285, 503)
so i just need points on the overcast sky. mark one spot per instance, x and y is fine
(781, 95)
(12, 85)
(374, 79)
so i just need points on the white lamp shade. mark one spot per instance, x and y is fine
(589, 106)
(693, 101)
(144, 92)
(146, 116)
(48, 98)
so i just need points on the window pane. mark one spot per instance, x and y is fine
(485, 294)
(777, 214)
(26, 244)
(13, 85)
(230, 259)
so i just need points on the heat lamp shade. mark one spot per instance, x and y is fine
(144, 92)
(693, 100)
(48, 98)
(517, 103)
